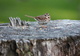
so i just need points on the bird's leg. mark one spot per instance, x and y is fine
(43, 26)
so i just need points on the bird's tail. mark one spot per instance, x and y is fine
(29, 16)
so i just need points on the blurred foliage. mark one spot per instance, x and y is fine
(58, 9)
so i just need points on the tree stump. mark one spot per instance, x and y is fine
(59, 38)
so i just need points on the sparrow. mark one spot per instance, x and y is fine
(42, 19)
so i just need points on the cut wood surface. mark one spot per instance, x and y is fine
(59, 38)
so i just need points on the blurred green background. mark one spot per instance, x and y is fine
(58, 9)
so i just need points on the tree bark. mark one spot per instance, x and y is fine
(60, 38)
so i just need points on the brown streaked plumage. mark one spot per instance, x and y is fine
(42, 19)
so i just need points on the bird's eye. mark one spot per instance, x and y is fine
(48, 17)
(44, 15)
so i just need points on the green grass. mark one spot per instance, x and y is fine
(58, 9)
